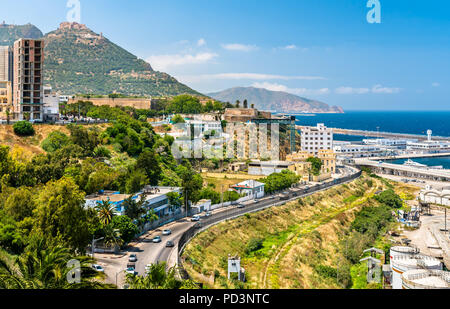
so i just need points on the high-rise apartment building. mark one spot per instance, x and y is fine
(6, 64)
(317, 138)
(28, 93)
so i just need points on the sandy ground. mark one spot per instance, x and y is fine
(430, 239)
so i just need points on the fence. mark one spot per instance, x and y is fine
(207, 223)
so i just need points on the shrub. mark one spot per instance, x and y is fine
(23, 128)
(389, 198)
(255, 244)
(326, 271)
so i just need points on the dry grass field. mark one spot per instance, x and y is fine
(294, 239)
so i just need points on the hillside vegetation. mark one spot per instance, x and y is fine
(311, 243)
(11, 33)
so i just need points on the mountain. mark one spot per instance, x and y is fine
(11, 33)
(78, 60)
(274, 100)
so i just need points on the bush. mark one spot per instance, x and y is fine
(254, 245)
(326, 271)
(23, 128)
(389, 198)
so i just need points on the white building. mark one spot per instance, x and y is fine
(347, 149)
(266, 168)
(51, 105)
(316, 138)
(429, 146)
(156, 199)
(251, 188)
(434, 196)
(387, 142)
(64, 98)
(203, 127)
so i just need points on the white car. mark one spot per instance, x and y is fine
(167, 232)
(98, 268)
(195, 218)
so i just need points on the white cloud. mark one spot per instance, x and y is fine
(351, 90)
(290, 47)
(435, 84)
(297, 91)
(201, 42)
(246, 76)
(239, 47)
(162, 62)
(379, 89)
(385, 90)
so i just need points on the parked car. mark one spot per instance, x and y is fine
(167, 232)
(195, 218)
(157, 239)
(98, 268)
(132, 258)
(131, 271)
(170, 244)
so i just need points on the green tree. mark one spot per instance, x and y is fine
(134, 209)
(60, 214)
(127, 229)
(178, 119)
(148, 162)
(23, 128)
(55, 140)
(20, 204)
(136, 181)
(316, 165)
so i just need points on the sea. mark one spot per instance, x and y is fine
(409, 122)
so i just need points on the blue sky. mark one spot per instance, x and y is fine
(320, 49)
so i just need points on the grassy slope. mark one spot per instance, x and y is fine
(29, 145)
(295, 239)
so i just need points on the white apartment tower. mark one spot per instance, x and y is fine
(316, 138)
(6, 64)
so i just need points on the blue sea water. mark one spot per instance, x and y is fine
(412, 122)
(409, 122)
(443, 161)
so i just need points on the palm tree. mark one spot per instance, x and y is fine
(46, 267)
(112, 237)
(105, 211)
(158, 278)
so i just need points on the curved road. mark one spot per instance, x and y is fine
(148, 252)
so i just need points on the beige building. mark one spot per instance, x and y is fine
(113, 102)
(5, 100)
(28, 92)
(328, 158)
(303, 168)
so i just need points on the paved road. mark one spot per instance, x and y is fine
(148, 252)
